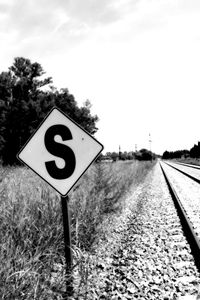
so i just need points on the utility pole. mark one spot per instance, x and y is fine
(120, 152)
(150, 141)
(135, 147)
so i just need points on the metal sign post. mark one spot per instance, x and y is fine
(67, 240)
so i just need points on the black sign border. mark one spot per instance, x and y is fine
(102, 147)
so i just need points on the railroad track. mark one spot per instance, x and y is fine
(186, 170)
(184, 186)
(188, 165)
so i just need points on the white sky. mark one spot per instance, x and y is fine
(137, 61)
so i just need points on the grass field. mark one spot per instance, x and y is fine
(31, 234)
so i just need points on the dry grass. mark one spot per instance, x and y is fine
(31, 234)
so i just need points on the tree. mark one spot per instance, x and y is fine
(166, 155)
(144, 154)
(175, 154)
(195, 151)
(25, 99)
(113, 155)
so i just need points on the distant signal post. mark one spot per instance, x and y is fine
(60, 152)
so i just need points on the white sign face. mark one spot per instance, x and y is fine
(60, 151)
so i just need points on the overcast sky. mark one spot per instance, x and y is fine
(137, 61)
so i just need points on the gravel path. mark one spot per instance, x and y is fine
(145, 256)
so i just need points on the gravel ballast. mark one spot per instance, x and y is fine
(190, 170)
(145, 255)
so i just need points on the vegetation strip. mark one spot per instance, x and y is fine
(186, 174)
(187, 226)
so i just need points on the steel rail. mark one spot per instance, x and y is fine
(186, 174)
(188, 165)
(187, 226)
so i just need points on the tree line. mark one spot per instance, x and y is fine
(142, 154)
(194, 152)
(26, 96)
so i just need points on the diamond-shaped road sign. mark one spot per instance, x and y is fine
(60, 151)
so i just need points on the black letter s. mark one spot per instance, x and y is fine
(59, 150)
